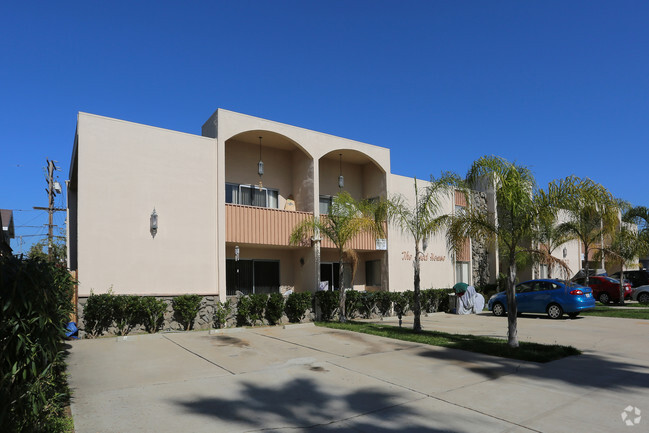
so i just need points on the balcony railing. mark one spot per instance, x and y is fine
(258, 225)
(266, 226)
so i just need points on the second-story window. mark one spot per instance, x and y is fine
(251, 195)
(325, 204)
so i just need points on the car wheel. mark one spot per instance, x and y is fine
(573, 315)
(643, 298)
(555, 311)
(604, 298)
(498, 309)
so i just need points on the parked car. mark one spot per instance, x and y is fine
(636, 278)
(553, 297)
(605, 289)
(641, 294)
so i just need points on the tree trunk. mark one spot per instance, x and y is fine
(622, 285)
(512, 308)
(416, 308)
(341, 307)
(586, 264)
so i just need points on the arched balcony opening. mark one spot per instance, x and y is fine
(363, 177)
(287, 179)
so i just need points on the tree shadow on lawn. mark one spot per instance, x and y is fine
(302, 404)
(586, 370)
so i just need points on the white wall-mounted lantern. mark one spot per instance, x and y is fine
(153, 223)
(341, 179)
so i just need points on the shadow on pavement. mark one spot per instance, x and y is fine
(300, 403)
(586, 370)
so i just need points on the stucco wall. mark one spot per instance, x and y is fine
(124, 171)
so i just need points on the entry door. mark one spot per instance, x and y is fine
(329, 272)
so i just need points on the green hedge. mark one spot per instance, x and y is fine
(35, 305)
(297, 305)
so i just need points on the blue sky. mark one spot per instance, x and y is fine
(559, 86)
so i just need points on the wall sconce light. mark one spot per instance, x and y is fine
(424, 244)
(341, 179)
(565, 252)
(236, 253)
(260, 165)
(153, 223)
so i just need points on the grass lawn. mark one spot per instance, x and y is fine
(618, 312)
(535, 352)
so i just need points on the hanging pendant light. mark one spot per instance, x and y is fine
(341, 179)
(260, 165)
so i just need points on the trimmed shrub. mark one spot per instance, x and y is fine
(352, 303)
(244, 306)
(258, 303)
(35, 305)
(383, 302)
(440, 300)
(98, 314)
(274, 308)
(426, 300)
(152, 312)
(296, 306)
(366, 304)
(328, 301)
(401, 303)
(222, 314)
(126, 313)
(185, 309)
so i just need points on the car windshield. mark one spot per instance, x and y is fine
(612, 280)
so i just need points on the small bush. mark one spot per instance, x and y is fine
(401, 303)
(244, 306)
(222, 314)
(126, 313)
(426, 300)
(98, 314)
(35, 303)
(296, 306)
(367, 303)
(274, 308)
(383, 302)
(352, 303)
(328, 301)
(436, 299)
(152, 312)
(185, 309)
(258, 303)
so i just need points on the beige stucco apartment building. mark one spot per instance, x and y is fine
(210, 200)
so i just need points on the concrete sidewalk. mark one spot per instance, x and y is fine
(307, 378)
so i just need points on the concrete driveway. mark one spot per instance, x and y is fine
(307, 378)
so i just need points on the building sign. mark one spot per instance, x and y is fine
(381, 244)
(423, 257)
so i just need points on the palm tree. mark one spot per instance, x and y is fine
(639, 216)
(420, 221)
(623, 248)
(591, 209)
(346, 219)
(514, 187)
(549, 236)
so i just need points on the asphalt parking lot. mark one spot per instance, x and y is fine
(307, 378)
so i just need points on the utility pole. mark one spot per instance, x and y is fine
(52, 189)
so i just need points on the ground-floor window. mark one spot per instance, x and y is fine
(254, 276)
(543, 271)
(373, 273)
(329, 272)
(462, 272)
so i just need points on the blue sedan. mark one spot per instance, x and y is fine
(553, 297)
